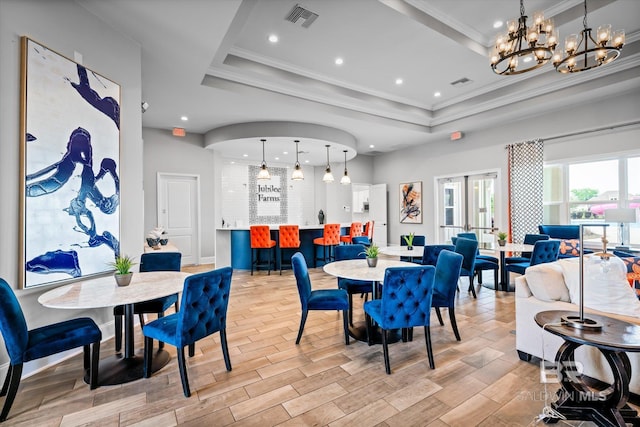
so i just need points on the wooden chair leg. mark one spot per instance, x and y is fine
(148, 356)
(385, 349)
(345, 321)
(480, 277)
(182, 364)
(15, 372)
(94, 369)
(303, 319)
(472, 289)
(367, 320)
(439, 316)
(86, 356)
(192, 349)
(225, 349)
(252, 253)
(160, 343)
(350, 308)
(427, 336)
(7, 380)
(454, 325)
(495, 279)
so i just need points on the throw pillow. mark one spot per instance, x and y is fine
(608, 292)
(570, 247)
(546, 282)
(633, 272)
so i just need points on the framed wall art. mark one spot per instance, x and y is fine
(411, 203)
(70, 154)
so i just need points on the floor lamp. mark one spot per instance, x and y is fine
(621, 216)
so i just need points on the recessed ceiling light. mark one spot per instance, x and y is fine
(306, 161)
(339, 61)
(184, 118)
(285, 152)
(398, 81)
(437, 94)
(372, 146)
(245, 155)
(232, 162)
(277, 158)
(273, 38)
(497, 24)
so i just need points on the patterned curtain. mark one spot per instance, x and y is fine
(525, 188)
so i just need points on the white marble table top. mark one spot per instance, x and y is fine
(357, 269)
(104, 292)
(397, 250)
(514, 247)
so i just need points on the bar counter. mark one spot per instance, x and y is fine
(233, 245)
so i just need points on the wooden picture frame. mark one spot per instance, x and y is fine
(70, 155)
(411, 203)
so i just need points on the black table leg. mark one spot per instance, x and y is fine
(504, 274)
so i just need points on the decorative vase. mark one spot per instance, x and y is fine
(372, 262)
(502, 242)
(321, 217)
(123, 279)
(409, 247)
(153, 242)
(163, 242)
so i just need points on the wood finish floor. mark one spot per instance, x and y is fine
(321, 382)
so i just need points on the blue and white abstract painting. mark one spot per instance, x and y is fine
(71, 143)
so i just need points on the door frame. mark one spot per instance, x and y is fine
(164, 175)
(497, 195)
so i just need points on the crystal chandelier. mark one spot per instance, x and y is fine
(328, 176)
(264, 172)
(524, 48)
(345, 178)
(297, 174)
(584, 52)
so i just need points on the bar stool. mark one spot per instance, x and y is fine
(289, 239)
(330, 238)
(354, 231)
(261, 239)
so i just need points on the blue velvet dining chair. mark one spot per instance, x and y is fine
(405, 303)
(205, 298)
(483, 262)
(543, 251)
(320, 299)
(430, 253)
(468, 249)
(153, 261)
(24, 345)
(364, 288)
(529, 239)
(445, 285)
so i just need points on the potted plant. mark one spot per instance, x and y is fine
(409, 240)
(502, 238)
(372, 254)
(122, 265)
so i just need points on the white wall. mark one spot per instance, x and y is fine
(485, 149)
(164, 152)
(111, 54)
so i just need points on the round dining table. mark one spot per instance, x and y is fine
(403, 251)
(358, 269)
(102, 292)
(509, 247)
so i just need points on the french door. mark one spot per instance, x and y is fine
(467, 204)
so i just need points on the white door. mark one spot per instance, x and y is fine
(179, 213)
(378, 213)
(467, 203)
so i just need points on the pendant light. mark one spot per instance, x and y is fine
(297, 174)
(345, 178)
(328, 176)
(264, 172)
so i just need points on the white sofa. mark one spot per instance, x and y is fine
(552, 293)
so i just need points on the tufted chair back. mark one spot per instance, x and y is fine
(302, 278)
(545, 251)
(406, 297)
(355, 230)
(431, 252)
(531, 239)
(12, 324)
(260, 237)
(160, 261)
(289, 236)
(205, 298)
(368, 229)
(331, 234)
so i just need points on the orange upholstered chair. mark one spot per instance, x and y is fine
(354, 231)
(289, 239)
(261, 239)
(368, 230)
(329, 239)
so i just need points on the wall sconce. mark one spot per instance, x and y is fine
(264, 172)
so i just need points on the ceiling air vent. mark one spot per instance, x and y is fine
(461, 82)
(298, 12)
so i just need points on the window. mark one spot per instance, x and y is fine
(580, 193)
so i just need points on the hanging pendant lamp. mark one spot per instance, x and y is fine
(345, 178)
(328, 176)
(297, 174)
(264, 172)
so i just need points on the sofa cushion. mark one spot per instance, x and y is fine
(546, 282)
(570, 247)
(610, 293)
